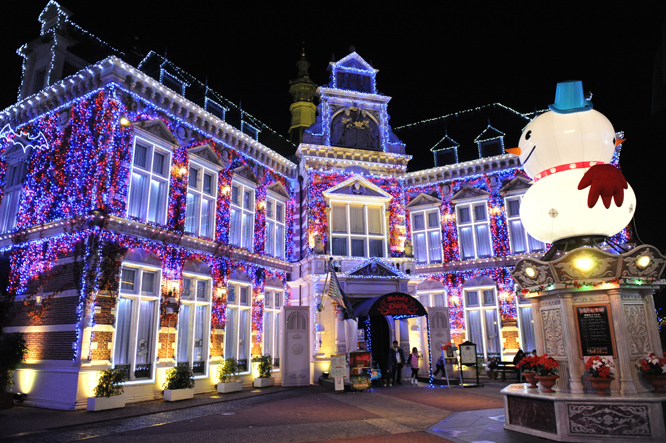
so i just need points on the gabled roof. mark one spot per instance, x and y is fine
(278, 189)
(516, 186)
(354, 61)
(488, 134)
(445, 143)
(206, 153)
(246, 173)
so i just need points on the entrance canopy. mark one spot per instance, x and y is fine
(396, 304)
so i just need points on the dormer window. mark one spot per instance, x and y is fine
(215, 108)
(250, 130)
(491, 148)
(446, 157)
(172, 82)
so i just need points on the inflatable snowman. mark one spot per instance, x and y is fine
(576, 191)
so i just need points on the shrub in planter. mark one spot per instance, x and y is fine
(109, 392)
(227, 374)
(12, 353)
(264, 366)
(179, 384)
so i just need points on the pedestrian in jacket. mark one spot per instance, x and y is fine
(396, 360)
(413, 361)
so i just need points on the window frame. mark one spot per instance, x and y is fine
(366, 236)
(427, 230)
(274, 224)
(195, 302)
(238, 306)
(243, 241)
(137, 296)
(273, 310)
(481, 307)
(520, 305)
(528, 239)
(202, 170)
(149, 174)
(473, 224)
(12, 194)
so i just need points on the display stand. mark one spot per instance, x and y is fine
(449, 358)
(468, 358)
(339, 370)
(360, 366)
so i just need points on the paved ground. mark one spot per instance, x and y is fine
(395, 414)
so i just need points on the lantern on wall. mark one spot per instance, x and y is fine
(577, 191)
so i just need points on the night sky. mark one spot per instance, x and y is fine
(432, 60)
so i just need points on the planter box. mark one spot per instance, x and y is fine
(102, 403)
(178, 394)
(263, 382)
(231, 386)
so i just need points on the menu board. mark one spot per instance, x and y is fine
(468, 353)
(594, 330)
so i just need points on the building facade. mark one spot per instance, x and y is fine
(148, 222)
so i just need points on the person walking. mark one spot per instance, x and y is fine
(396, 360)
(439, 366)
(413, 361)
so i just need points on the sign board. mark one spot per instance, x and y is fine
(593, 323)
(361, 359)
(468, 353)
(338, 365)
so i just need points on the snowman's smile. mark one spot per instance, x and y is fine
(529, 155)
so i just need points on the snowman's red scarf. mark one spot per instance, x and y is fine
(565, 167)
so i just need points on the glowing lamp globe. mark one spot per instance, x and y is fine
(577, 192)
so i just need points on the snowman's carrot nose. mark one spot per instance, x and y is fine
(514, 151)
(618, 141)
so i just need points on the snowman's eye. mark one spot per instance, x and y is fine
(528, 135)
(613, 140)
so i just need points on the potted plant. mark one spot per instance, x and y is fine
(526, 365)
(179, 383)
(546, 374)
(109, 392)
(264, 366)
(600, 371)
(227, 373)
(653, 369)
(12, 353)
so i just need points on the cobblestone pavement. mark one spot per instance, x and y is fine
(405, 413)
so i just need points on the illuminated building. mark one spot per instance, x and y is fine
(148, 221)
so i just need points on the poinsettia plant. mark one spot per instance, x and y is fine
(545, 365)
(600, 367)
(652, 365)
(527, 363)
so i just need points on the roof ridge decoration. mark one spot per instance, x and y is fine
(490, 133)
(469, 192)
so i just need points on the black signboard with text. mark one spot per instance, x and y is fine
(594, 330)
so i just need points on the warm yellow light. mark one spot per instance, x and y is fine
(583, 264)
(225, 189)
(530, 272)
(643, 261)
(124, 121)
(26, 380)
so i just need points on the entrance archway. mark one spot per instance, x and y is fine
(372, 315)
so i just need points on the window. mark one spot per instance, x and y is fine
(275, 227)
(357, 230)
(491, 148)
(149, 186)
(215, 108)
(521, 241)
(9, 207)
(172, 82)
(241, 223)
(436, 299)
(482, 321)
(136, 321)
(201, 198)
(250, 130)
(194, 323)
(427, 236)
(526, 325)
(273, 301)
(473, 231)
(237, 329)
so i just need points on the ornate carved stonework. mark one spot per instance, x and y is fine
(596, 419)
(552, 330)
(639, 341)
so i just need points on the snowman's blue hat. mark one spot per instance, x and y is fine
(569, 98)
